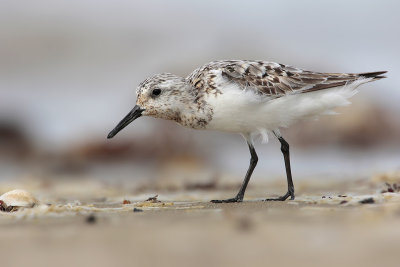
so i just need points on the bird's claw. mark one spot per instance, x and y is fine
(282, 198)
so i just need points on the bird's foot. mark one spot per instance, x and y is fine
(282, 198)
(229, 200)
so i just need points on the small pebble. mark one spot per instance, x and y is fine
(153, 199)
(245, 224)
(91, 219)
(137, 210)
(369, 200)
(343, 202)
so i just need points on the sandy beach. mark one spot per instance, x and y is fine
(89, 223)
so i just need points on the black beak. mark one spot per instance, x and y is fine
(135, 113)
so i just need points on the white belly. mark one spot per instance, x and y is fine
(242, 111)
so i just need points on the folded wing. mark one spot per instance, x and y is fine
(276, 80)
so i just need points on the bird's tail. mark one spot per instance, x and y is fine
(376, 75)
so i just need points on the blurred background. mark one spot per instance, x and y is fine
(69, 70)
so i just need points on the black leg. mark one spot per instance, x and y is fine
(285, 152)
(240, 195)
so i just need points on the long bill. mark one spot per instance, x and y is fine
(135, 113)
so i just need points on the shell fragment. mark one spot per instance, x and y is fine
(15, 199)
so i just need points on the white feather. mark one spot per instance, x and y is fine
(243, 111)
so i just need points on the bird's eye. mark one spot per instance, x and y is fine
(156, 91)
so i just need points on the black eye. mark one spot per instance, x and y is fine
(156, 91)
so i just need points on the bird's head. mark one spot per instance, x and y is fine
(160, 96)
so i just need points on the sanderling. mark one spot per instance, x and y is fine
(253, 98)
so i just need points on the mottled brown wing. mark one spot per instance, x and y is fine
(277, 80)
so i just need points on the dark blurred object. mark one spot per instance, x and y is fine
(160, 144)
(369, 200)
(391, 188)
(14, 142)
(137, 210)
(359, 126)
(91, 219)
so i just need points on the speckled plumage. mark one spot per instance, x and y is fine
(269, 78)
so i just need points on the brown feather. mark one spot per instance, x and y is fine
(272, 79)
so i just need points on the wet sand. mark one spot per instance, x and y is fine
(86, 223)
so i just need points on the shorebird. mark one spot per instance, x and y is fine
(250, 97)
